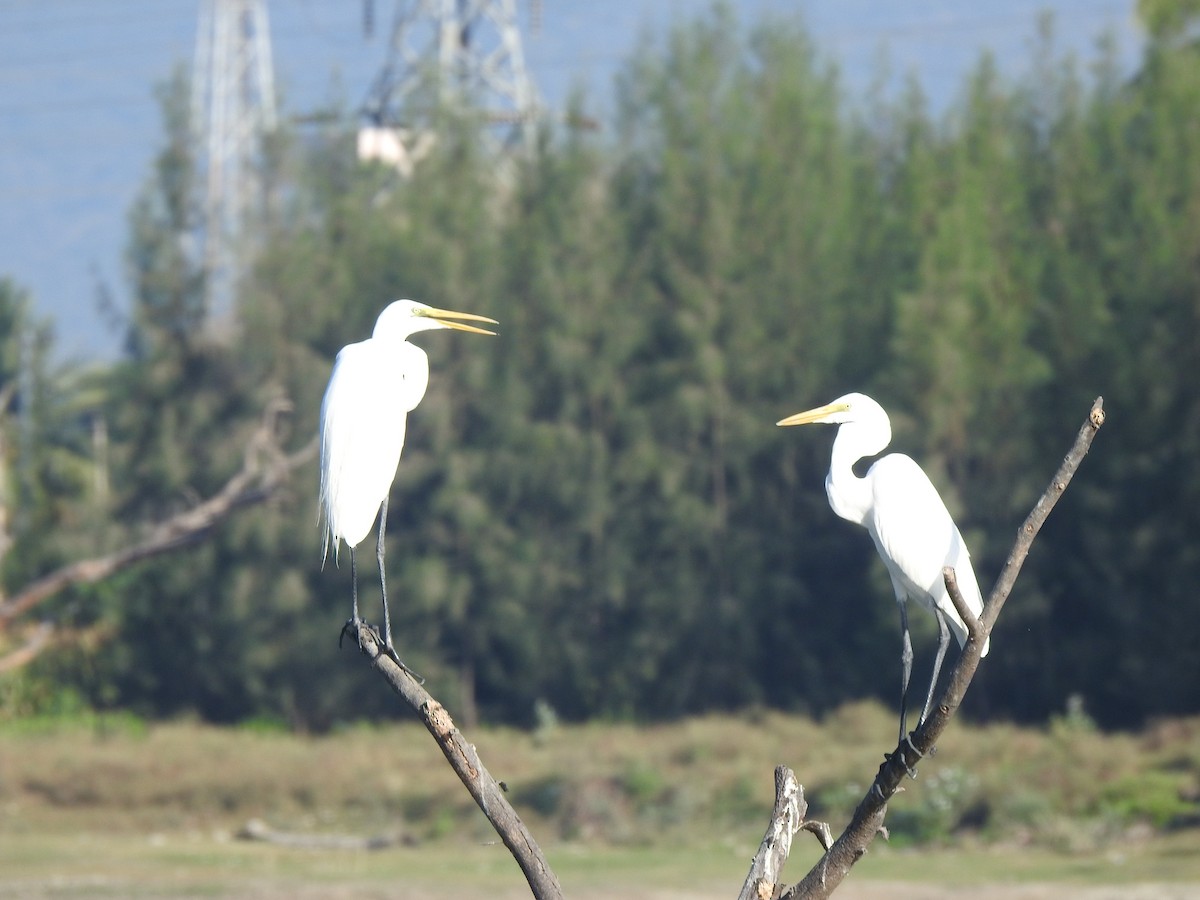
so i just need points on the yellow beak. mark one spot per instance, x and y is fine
(809, 416)
(446, 317)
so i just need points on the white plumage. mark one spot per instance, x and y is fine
(375, 384)
(362, 431)
(906, 518)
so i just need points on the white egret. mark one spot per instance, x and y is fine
(374, 385)
(912, 530)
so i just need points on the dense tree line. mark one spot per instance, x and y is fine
(595, 513)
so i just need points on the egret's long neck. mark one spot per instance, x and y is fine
(849, 495)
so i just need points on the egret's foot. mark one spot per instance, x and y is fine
(353, 627)
(911, 770)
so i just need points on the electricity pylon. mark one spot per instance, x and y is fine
(233, 109)
(448, 56)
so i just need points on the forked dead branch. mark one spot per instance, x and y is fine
(765, 880)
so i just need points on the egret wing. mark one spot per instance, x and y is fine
(917, 537)
(362, 436)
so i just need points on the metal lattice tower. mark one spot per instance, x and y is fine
(233, 108)
(449, 55)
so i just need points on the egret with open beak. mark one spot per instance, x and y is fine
(375, 384)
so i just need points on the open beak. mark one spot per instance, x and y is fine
(809, 416)
(447, 317)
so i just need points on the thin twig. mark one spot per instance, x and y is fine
(464, 759)
(1037, 517)
(867, 820)
(974, 632)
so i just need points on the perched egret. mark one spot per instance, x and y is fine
(912, 530)
(374, 385)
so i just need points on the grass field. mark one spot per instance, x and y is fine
(116, 808)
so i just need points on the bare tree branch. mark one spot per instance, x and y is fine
(867, 820)
(822, 832)
(766, 870)
(265, 467)
(464, 759)
(960, 606)
(1041, 511)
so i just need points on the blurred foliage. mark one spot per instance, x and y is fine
(594, 516)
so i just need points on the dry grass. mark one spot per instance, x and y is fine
(107, 806)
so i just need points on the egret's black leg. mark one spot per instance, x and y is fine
(353, 586)
(906, 659)
(388, 647)
(353, 622)
(379, 548)
(943, 642)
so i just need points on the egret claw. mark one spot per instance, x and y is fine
(911, 770)
(352, 627)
